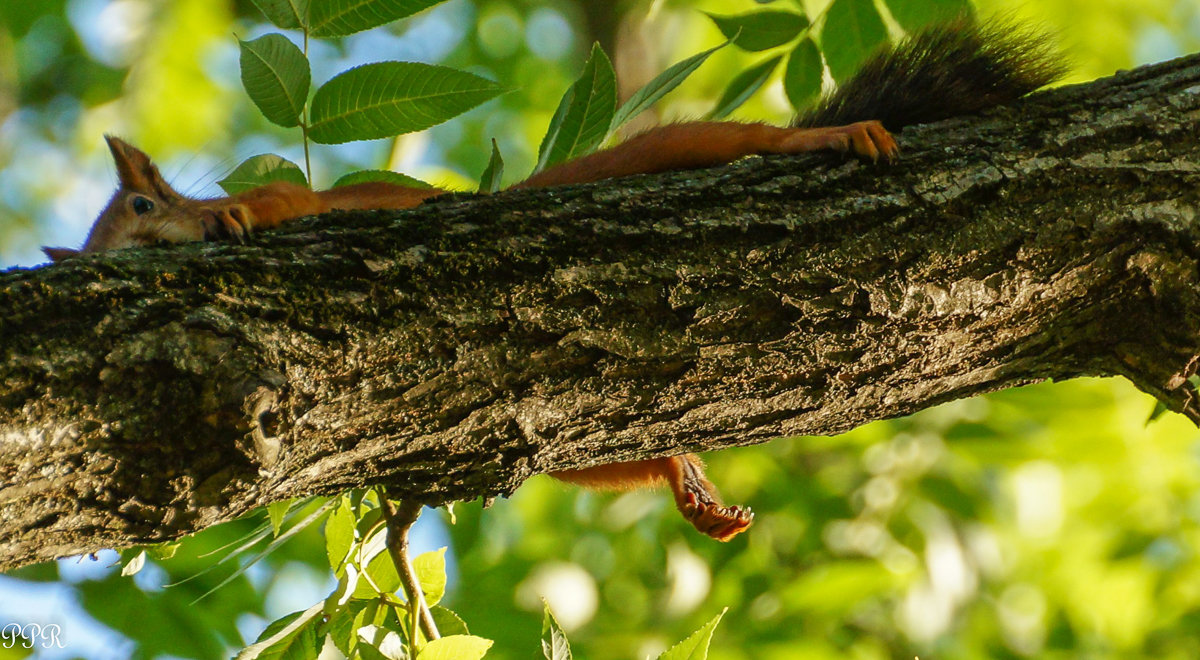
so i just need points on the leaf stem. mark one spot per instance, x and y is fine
(400, 519)
(304, 123)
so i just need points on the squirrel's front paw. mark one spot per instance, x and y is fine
(720, 522)
(867, 139)
(231, 221)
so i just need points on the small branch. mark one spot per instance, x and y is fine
(399, 521)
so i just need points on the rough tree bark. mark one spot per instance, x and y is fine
(453, 351)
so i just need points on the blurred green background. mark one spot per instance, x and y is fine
(1053, 521)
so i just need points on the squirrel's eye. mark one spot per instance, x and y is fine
(142, 205)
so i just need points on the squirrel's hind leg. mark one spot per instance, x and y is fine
(695, 496)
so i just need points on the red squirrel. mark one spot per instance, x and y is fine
(951, 69)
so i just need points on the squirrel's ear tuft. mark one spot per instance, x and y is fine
(133, 165)
(59, 253)
(136, 171)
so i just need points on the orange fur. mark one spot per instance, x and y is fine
(704, 144)
(146, 209)
(376, 195)
(695, 496)
(619, 476)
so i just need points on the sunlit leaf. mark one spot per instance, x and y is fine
(455, 647)
(584, 114)
(368, 652)
(380, 576)
(287, 14)
(1160, 409)
(163, 550)
(261, 170)
(802, 75)
(430, 568)
(338, 18)
(345, 622)
(385, 99)
(761, 30)
(662, 84)
(447, 622)
(489, 182)
(368, 521)
(293, 637)
(743, 87)
(312, 518)
(378, 643)
(386, 176)
(555, 645)
(340, 629)
(913, 15)
(852, 31)
(276, 77)
(276, 512)
(133, 564)
(695, 647)
(339, 534)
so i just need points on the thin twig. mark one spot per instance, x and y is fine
(400, 520)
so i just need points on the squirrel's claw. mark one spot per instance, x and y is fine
(233, 222)
(869, 139)
(720, 522)
(877, 142)
(866, 139)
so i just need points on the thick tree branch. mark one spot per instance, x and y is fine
(452, 351)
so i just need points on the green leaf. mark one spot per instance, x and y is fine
(276, 77)
(344, 591)
(912, 15)
(1160, 409)
(344, 623)
(584, 114)
(340, 629)
(377, 643)
(554, 639)
(490, 181)
(287, 14)
(260, 170)
(339, 535)
(447, 622)
(338, 18)
(455, 647)
(695, 647)
(761, 30)
(293, 637)
(382, 573)
(276, 511)
(369, 521)
(802, 75)
(743, 87)
(278, 541)
(163, 550)
(852, 31)
(386, 176)
(430, 568)
(389, 98)
(662, 84)
(132, 561)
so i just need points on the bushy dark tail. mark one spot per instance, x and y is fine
(951, 69)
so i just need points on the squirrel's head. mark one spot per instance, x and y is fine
(144, 210)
